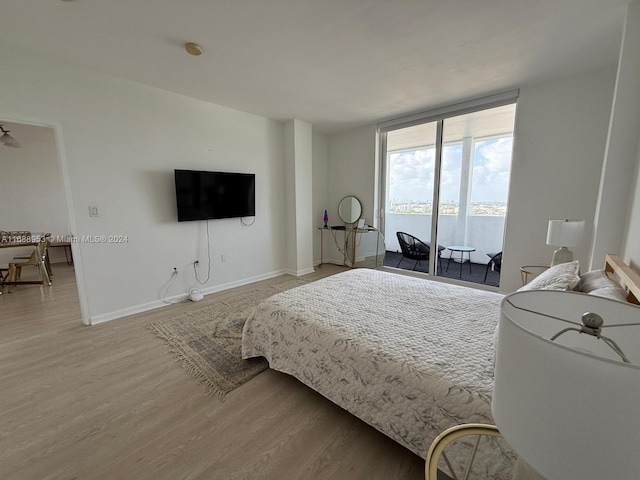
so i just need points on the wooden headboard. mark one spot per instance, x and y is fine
(625, 276)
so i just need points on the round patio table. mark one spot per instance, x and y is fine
(462, 249)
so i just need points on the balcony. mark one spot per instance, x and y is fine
(482, 232)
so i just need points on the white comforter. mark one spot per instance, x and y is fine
(408, 356)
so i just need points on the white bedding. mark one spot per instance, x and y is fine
(408, 356)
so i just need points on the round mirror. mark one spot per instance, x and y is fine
(349, 209)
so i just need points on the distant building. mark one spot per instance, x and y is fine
(497, 209)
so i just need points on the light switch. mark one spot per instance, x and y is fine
(93, 211)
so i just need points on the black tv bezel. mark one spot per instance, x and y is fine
(191, 218)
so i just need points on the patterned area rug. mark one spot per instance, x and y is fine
(207, 341)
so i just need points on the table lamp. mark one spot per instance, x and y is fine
(567, 384)
(563, 234)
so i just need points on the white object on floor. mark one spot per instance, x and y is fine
(195, 295)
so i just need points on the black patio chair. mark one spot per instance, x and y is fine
(415, 249)
(496, 261)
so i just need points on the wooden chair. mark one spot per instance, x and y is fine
(437, 448)
(12, 236)
(4, 273)
(46, 236)
(37, 259)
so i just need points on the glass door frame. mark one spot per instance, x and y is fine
(439, 116)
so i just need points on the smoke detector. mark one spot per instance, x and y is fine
(193, 48)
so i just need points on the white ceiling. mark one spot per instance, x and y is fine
(334, 63)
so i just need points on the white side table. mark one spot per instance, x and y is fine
(462, 249)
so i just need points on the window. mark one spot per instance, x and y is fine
(446, 182)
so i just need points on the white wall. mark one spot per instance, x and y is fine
(299, 196)
(122, 141)
(559, 143)
(290, 240)
(32, 191)
(320, 147)
(352, 171)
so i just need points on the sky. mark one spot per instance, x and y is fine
(411, 173)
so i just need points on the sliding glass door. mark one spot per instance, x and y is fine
(411, 169)
(446, 184)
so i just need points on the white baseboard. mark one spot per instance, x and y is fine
(125, 312)
(299, 273)
(145, 307)
(334, 261)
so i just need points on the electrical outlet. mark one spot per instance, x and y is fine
(175, 271)
(196, 263)
(223, 258)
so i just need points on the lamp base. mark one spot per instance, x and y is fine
(562, 255)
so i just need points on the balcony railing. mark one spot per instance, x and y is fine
(482, 232)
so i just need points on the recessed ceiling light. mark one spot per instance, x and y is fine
(193, 48)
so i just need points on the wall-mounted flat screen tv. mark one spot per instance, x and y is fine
(209, 195)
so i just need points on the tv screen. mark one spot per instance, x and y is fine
(208, 195)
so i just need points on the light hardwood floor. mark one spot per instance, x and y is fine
(110, 402)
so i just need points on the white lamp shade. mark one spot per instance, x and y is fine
(565, 233)
(570, 408)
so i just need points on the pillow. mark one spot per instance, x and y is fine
(564, 276)
(594, 280)
(613, 292)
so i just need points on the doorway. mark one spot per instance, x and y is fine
(35, 193)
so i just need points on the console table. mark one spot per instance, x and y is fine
(350, 244)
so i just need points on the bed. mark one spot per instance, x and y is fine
(411, 357)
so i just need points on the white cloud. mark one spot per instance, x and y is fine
(411, 174)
